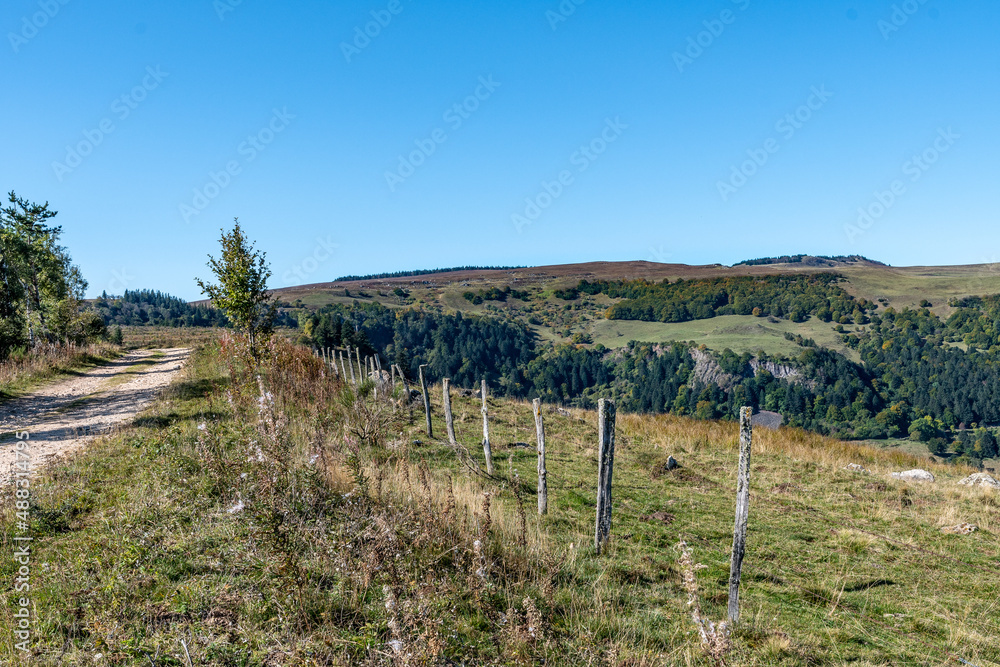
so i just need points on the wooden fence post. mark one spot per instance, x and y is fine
(606, 463)
(343, 368)
(402, 376)
(350, 364)
(448, 420)
(361, 371)
(427, 401)
(742, 510)
(543, 486)
(487, 450)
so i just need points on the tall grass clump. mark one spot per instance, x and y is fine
(24, 367)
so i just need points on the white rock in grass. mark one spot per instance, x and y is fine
(915, 475)
(981, 479)
(854, 467)
(961, 529)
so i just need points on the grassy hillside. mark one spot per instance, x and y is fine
(899, 287)
(342, 534)
(740, 333)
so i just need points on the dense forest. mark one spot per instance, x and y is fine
(155, 308)
(793, 297)
(807, 260)
(41, 290)
(141, 307)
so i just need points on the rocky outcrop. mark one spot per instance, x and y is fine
(767, 419)
(981, 479)
(780, 371)
(707, 371)
(915, 475)
(961, 529)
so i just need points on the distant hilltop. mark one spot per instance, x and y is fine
(425, 272)
(811, 260)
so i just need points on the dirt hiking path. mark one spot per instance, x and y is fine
(64, 416)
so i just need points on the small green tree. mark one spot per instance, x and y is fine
(242, 291)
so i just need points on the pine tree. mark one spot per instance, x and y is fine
(242, 290)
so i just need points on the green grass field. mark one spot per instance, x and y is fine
(740, 333)
(138, 549)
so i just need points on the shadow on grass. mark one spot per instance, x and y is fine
(866, 585)
(195, 389)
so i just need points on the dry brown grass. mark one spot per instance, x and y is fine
(26, 369)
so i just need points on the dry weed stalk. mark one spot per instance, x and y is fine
(714, 638)
(484, 528)
(522, 518)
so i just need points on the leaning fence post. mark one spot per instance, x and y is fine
(448, 420)
(742, 509)
(543, 486)
(606, 464)
(350, 364)
(427, 401)
(361, 371)
(487, 450)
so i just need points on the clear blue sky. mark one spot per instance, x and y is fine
(663, 120)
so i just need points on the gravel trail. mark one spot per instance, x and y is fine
(63, 416)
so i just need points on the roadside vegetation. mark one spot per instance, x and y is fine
(23, 371)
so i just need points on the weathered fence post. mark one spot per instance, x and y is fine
(343, 368)
(543, 486)
(427, 401)
(350, 364)
(742, 509)
(487, 450)
(402, 376)
(361, 371)
(448, 420)
(606, 464)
